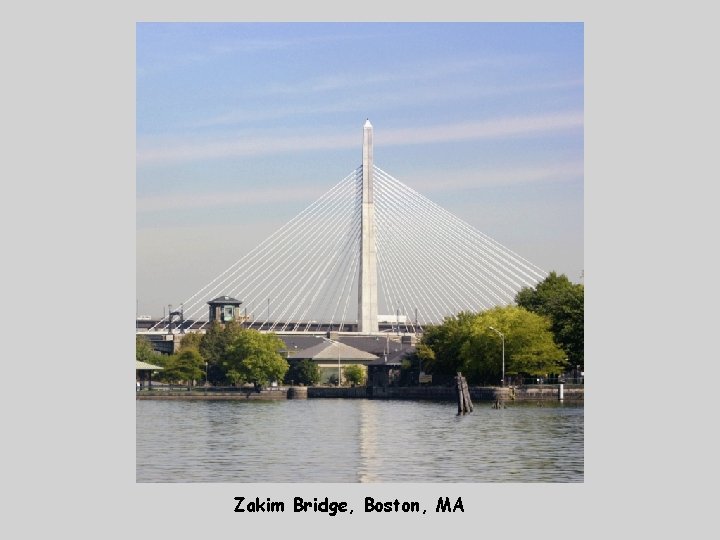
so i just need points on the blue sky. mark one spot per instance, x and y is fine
(242, 126)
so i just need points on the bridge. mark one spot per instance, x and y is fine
(370, 245)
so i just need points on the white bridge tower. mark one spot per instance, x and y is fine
(368, 282)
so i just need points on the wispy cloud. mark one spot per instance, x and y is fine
(385, 89)
(249, 197)
(167, 152)
(216, 48)
(241, 147)
(434, 181)
(250, 115)
(426, 182)
(426, 71)
(381, 98)
(498, 128)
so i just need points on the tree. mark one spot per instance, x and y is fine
(354, 374)
(191, 340)
(304, 372)
(144, 351)
(529, 346)
(425, 356)
(214, 344)
(233, 376)
(214, 347)
(441, 344)
(563, 302)
(256, 357)
(465, 343)
(184, 366)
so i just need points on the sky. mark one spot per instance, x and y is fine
(241, 126)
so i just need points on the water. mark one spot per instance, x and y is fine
(357, 440)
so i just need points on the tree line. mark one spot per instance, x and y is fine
(227, 353)
(230, 355)
(543, 335)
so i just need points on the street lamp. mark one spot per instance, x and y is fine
(206, 378)
(502, 336)
(337, 344)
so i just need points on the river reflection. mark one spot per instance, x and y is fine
(347, 440)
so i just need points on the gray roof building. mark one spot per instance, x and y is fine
(331, 352)
(225, 300)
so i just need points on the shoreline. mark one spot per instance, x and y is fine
(571, 393)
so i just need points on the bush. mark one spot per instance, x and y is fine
(354, 374)
(305, 372)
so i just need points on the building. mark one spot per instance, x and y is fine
(224, 309)
(331, 357)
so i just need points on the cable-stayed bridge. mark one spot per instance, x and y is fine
(369, 246)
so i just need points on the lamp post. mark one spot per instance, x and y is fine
(206, 372)
(502, 336)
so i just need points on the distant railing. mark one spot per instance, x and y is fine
(540, 381)
(164, 387)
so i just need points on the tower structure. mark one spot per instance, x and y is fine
(367, 284)
(335, 249)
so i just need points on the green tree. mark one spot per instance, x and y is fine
(304, 372)
(354, 374)
(256, 357)
(144, 350)
(442, 343)
(563, 302)
(465, 343)
(215, 349)
(233, 376)
(425, 356)
(529, 346)
(191, 340)
(185, 366)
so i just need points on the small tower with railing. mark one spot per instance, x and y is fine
(224, 309)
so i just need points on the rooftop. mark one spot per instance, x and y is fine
(225, 300)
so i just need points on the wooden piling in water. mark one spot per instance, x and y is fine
(463, 395)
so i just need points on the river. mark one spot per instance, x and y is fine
(357, 440)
